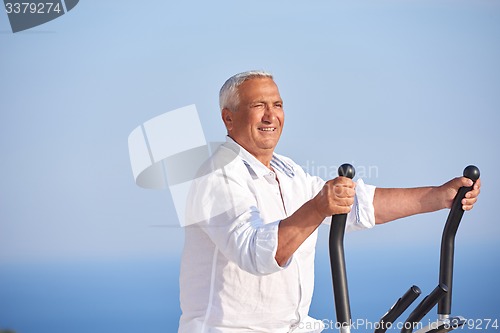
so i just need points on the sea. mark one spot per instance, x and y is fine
(142, 295)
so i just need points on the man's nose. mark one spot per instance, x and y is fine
(269, 114)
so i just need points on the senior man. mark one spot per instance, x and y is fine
(248, 260)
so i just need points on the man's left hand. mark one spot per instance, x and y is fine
(450, 190)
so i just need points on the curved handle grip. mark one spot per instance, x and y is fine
(337, 261)
(448, 240)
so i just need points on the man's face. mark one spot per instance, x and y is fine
(258, 121)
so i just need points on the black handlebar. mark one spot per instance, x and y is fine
(423, 308)
(397, 309)
(448, 240)
(441, 294)
(337, 260)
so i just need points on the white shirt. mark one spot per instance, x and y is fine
(230, 281)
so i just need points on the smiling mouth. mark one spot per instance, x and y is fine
(267, 129)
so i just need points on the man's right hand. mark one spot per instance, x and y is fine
(336, 197)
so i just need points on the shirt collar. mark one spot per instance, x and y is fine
(255, 166)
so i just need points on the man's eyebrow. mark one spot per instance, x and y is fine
(263, 101)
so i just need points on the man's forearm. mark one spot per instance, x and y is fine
(394, 203)
(295, 229)
(336, 197)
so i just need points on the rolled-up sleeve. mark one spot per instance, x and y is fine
(247, 241)
(266, 245)
(362, 215)
(227, 211)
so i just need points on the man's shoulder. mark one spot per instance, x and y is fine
(223, 160)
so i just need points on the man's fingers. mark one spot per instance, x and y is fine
(473, 193)
(467, 207)
(466, 181)
(347, 202)
(343, 191)
(342, 181)
(340, 188)
(467, 204)
(337, 196)
(343, 210)
(471, 196)
(475, 190)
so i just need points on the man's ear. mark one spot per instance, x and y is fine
(227, 118)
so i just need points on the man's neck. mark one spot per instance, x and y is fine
(265, 157)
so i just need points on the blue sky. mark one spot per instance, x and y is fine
(410, 89)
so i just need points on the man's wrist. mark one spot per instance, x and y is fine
(315, 207)
(440, 197)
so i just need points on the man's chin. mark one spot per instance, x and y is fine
(268, 146)
(269, 142)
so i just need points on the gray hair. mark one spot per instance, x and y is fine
(228, 95)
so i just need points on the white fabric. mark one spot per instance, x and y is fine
(229, 280)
